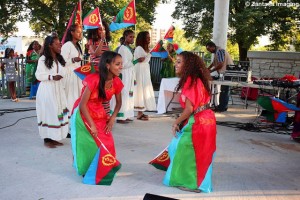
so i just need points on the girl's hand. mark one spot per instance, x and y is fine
(175, 128)
(142, 59)
(77, 59)
(109, 125)
(94, 131)
(57, 77)
(103, 35)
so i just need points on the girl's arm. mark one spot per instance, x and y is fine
(85, 111)
(187, 111)
(16, 66)
(98, 50)
(114, 115)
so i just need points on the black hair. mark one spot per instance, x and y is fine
(93, 33)
(106, 58)
(47, 52)
(141, 40)
(7, 52)
(30, 47)
(210, 44)
(69, 36)
(127, 32)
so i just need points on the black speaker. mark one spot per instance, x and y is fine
(156, 197)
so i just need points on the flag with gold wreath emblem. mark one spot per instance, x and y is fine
(125, 18)
(92, 19)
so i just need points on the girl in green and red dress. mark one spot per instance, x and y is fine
(97, 87)
(192, 149)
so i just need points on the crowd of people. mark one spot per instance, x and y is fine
(120, 86)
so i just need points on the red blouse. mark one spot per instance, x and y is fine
(94, 104)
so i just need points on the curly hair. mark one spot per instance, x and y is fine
(47, 52)
(141, 40)
(194, 67)
(69, 36)
(94, 36)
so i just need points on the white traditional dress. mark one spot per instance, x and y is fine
(127, 77)
(51, 102)
(73, 84)
(144, 98)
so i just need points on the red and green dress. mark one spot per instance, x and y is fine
(192, 151)
(84, 146)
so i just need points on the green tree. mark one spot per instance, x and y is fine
(246, 22)
(47, 15)
(9, 15)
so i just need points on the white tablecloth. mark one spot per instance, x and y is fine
(166, 91)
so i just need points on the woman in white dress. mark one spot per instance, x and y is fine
(144, 98)
(126, 112)
(72, 53)
(51, 102)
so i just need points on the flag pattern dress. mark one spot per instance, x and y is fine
(191, 152)
(84, 146)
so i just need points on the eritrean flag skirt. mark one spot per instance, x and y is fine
(191, 154)
(91, 157)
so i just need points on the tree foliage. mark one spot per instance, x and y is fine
(47, 15)
(9, 15)
(247, 21)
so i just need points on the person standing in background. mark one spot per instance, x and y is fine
(121, 40)
(144, 98)
(51, 100)
(98, 40)
(168, 68)
(126, 113)
(32, 57)
(10, 68)
(72, 54)
(221, 60)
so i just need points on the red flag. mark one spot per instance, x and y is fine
(102, 169)
(75, 19)
(162, 160)
(85, 70)
(92, 20)
(125, 18)
(170, 34)
(159, 51)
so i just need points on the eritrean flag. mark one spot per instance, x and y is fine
(170, 34)
(162, 160)
(85, 70)
(97, 164)
(92, 19)
(75, 19)
(159, 51)
(177, 49)
(277, 108)
(125, 18)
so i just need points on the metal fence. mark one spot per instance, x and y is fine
(155, 68)
(20, 83)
